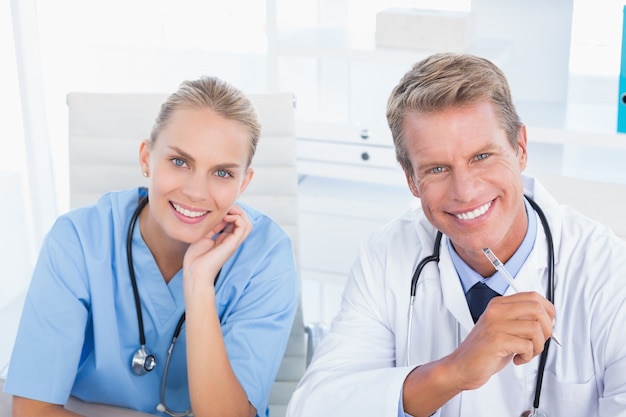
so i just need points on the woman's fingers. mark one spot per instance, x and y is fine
(215, 248)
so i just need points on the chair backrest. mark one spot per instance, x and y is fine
(105, 131)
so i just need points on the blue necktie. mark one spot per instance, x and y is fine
(478, 297)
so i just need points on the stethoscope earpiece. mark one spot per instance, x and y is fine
(142, 362)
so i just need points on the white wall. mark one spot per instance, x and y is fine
(146, 45)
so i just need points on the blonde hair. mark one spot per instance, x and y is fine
(445, 80)
(217, 95)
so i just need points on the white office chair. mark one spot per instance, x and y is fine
(105, 131)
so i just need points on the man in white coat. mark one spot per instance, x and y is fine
(463, 149)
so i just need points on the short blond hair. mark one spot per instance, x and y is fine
(445, 80)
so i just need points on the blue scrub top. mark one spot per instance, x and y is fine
(79, 331)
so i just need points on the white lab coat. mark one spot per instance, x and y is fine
(360, 366)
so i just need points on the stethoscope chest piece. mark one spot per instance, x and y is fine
(535, 412)
(142, 362)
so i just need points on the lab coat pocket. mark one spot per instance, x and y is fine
(561, 398)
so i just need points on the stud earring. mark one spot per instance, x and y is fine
(145, 174)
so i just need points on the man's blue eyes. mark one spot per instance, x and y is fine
(479, 157)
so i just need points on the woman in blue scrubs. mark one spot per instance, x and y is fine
(198, 257)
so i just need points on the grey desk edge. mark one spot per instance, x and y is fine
(75, 405)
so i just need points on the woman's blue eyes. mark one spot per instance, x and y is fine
(222, 173)
(482, 156)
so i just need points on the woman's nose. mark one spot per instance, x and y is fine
(197, 187)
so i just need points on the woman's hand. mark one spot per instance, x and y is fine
(206, 350)
(206, 256)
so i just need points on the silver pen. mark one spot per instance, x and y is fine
(507, 275)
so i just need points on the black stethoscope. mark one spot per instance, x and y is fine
(534, 412)
(143, 361)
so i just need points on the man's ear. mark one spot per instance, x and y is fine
(522, 148)
(412, 185)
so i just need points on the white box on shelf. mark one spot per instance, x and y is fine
(435, 30)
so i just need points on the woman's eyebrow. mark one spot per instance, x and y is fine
(182, 153)
(188, 157)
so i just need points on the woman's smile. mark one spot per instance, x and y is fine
(188, 213)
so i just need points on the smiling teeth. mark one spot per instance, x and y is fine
(475, 213)
(188, 213)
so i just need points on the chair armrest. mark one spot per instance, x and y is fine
(315, 332)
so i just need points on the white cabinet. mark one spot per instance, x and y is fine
(342, 81)
(335, 217)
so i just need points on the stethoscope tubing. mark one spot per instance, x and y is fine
(162, 406)
(418, 270)
(131, 268)
(549, 295)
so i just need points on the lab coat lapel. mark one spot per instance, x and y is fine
(532, 277)
(550, 206)
(533, 274)
(453, 295)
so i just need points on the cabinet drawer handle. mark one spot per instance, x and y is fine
(365, 134)
(365, 156)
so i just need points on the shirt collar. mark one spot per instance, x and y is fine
(497, 282)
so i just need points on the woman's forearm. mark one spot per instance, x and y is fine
(213, 387)
(25, 407)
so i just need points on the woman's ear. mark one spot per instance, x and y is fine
(246, 180)
(144, 157)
